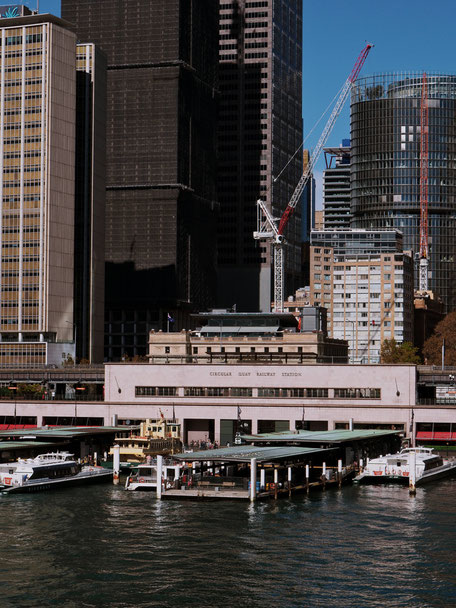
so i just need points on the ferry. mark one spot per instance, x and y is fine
(145, 479)
(48, 471)
(155, 437)
(396, 467)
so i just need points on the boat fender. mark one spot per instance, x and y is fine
(141, 480)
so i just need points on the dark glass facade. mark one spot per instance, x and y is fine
(259, 131)
(161, 154)
(385, 165)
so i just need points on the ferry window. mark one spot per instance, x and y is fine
(167, 349)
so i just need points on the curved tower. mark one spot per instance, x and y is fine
(385, 165)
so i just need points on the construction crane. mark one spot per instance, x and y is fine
(424, 169)
(267, 227)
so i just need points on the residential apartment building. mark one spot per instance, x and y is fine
(336, 187)
(259, 131)
(366, 283)
(37, 183)
(162, 67)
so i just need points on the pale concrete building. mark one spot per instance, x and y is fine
(368, 294)
(37, 147)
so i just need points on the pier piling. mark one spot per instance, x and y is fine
(253, 478)
(339, 472)
(289, 481)
(307, 477)
(116, 464)
(159, 476)
(412, 475)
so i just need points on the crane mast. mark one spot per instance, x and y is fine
(424, 169)
(266, 224)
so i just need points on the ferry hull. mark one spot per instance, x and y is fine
(56, 484)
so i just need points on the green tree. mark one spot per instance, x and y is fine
(394, 352)
(432, 349)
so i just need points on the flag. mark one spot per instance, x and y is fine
(170, 319)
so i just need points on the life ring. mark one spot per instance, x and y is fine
(141, 480)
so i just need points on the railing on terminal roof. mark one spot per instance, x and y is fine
(250, 358)
(48, 397)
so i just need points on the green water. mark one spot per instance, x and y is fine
(102, 546)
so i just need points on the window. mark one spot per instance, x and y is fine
(167, 349)
(357, 393)
(268, 392)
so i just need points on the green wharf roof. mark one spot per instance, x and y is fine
(244, 453)
(336, 436)
(63, 432)
(7, 446)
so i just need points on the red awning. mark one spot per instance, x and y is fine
(436, 435)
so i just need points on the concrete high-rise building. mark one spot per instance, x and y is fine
(37, 181)
(336, 187)
(259, 132)
(385, 166)
(161, 154)
(365, 281)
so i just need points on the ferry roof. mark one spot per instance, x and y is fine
(244, 453)
(336, 436)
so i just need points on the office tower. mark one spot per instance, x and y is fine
(385, 165)
(90, 195)
(37, 146)
(336, 187)
(365, 281)
(160, 166)
(259, 132)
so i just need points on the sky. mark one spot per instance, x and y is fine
(407, 34)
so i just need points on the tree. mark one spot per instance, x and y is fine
(392, 352)
(432, 349)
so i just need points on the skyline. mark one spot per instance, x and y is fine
(333, 36)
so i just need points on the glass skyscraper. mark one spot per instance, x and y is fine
(385, 165)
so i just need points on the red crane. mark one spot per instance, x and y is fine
(424, 170)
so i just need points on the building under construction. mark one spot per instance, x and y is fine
(387, 166)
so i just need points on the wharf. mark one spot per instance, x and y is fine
(284, 470)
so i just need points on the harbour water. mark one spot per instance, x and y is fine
(101, 546)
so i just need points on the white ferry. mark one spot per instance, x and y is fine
(396, 467)
(146, 477)
(48, 471)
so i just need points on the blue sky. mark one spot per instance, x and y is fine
(408, 35)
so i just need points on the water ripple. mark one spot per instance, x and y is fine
(360, 547)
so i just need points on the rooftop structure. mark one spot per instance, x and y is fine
(250, 337)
